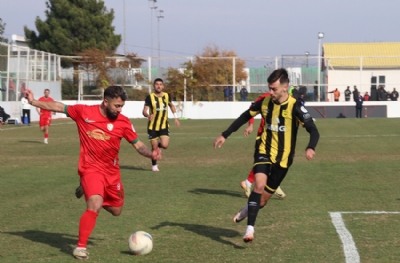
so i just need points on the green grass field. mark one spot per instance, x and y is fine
(187, 207)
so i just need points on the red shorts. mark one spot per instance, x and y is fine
(109, 187)
(44, 121)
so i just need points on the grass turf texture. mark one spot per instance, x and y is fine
(187, 207)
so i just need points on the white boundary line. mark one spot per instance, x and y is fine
(349, 247)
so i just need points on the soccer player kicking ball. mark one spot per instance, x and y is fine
(101, 128)
(276, 145)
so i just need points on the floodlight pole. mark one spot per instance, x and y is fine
(320, 36)
(152, 6)
(160, 15)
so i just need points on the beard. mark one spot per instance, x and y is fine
(111, 115)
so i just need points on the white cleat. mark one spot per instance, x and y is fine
(279, 193)
(46, 141)
(246, 189)
(155, 168)
(80, 253)
(239, 216)
(249, 235)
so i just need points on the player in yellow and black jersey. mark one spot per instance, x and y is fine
(275, 147)
(156, 110)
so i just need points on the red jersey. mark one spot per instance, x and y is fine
(42, 111)
(251, 121)
(100, 138)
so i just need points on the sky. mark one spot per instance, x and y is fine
(249, 28)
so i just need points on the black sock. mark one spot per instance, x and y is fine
(153, 162)
(159, 145)
(254, 206)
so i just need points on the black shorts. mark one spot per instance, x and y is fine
(154, 135)
(275, 173)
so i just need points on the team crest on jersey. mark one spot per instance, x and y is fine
(110, 127)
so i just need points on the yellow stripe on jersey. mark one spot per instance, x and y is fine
(159, 109)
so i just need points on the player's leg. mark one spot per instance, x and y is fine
(164, 141)
(246, 184)
(46, 134)
(94, 191)
(114, 195)
(153, 137)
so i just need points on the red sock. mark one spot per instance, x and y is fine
(86, 225)
(46, 135)
(250, 177)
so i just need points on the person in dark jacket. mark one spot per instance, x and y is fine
(359, 103)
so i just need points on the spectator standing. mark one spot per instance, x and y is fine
(394, 95)
(11, 90)
(347, 94)
(230, 93)
(226, 93)
(383, 94)
(336, 94)
(359, 103)
(316, 91)
(355, 93)
(26, 111)
(366, 96)
(243, 94)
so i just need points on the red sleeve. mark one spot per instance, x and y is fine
(130, 134)
(73, 111)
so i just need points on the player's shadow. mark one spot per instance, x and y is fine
(64, 242)
(32, 141)
(131, 167)
(214, 233)
(200, 191)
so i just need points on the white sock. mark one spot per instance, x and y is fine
(81, 248)
(250, 228)
(248, 183)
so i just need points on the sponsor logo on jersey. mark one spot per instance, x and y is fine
(98, 135)
(87, 120)
(277, 128)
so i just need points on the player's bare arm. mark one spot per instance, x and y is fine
(46, 105)
(173, 109)
(146, 113)
(142, 149)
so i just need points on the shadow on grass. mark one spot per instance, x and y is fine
(131, 167)
(199, 191)
(214, 233)
(66, 243)
(27, 141)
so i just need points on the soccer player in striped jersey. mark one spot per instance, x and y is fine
(246, 184)
(275, 148)
(156, 110)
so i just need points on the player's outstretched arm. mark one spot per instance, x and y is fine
(142, 149)
(46, 105)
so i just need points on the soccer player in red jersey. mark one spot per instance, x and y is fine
(246, 184)
(45, 116)
(101, 128)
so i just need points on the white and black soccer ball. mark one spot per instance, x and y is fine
(140, 243)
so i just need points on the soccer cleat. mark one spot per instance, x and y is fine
(155, 168)
(249, 235)
(279, 193)
(46, 141)
(79, 192)
(80, 253)
(239, 216)
(246, 189)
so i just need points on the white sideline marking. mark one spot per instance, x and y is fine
(349, 247)
(31, 126)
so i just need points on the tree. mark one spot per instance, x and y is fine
(72, 26)
(209, 73)
(2, 29)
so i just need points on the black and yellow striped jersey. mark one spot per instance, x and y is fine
(158, 107)
(278, 137)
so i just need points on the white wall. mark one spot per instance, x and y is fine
(198, 110)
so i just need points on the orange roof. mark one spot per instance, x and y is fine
(373, 55)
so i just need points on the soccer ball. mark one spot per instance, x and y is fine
(140, 243)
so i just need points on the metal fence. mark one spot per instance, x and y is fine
(21, 65)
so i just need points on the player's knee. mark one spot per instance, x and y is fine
(116, 213)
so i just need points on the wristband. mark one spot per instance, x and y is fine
(175, 115)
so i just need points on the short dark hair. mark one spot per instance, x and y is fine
(280, 74)
(113, 92)
(47, 90)
(158, 79)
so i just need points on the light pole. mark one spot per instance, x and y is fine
(307, 54)
(160, 15)
(320, 36)
(124, 31)
(152, 7)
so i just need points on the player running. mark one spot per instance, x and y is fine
(45, 116)
(100, 128)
